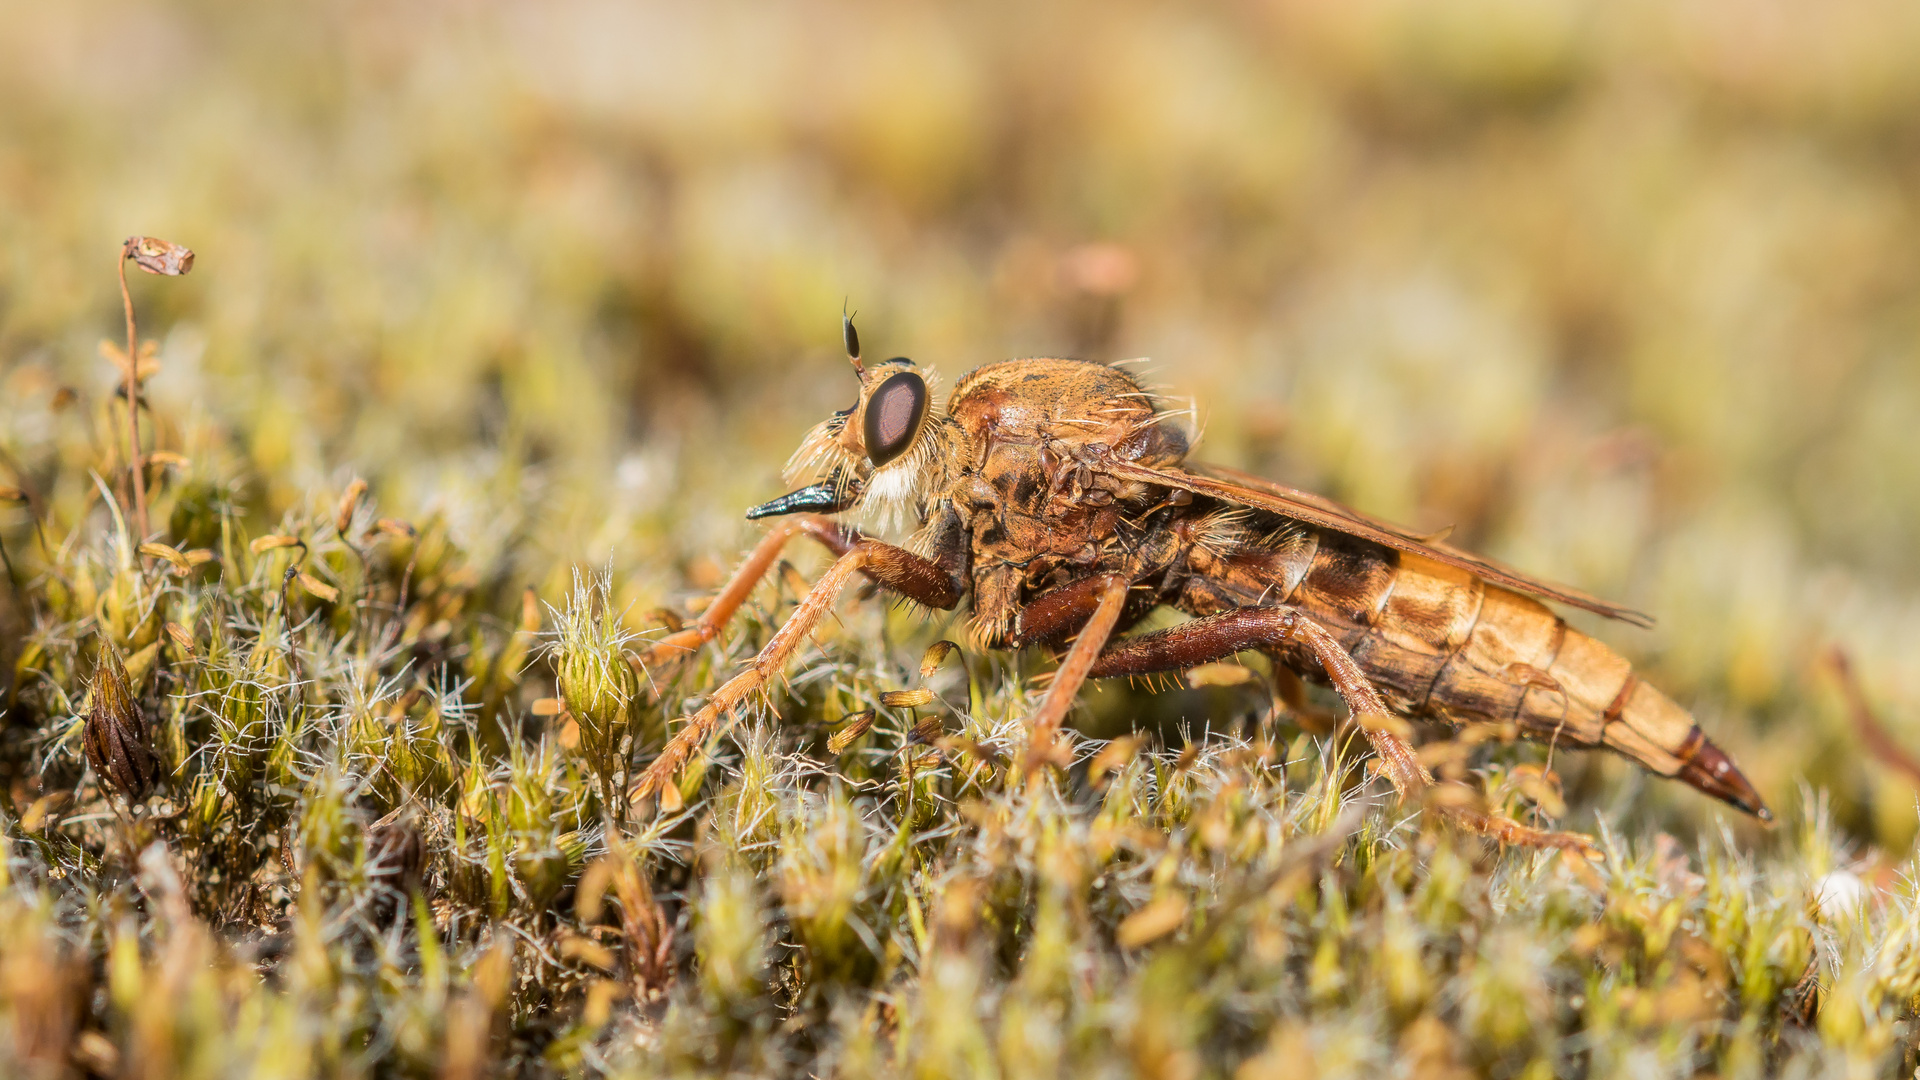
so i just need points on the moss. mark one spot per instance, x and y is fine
(1622, 291)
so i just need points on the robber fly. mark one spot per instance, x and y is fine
(1057, 496)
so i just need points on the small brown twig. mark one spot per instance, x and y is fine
(1872, 731)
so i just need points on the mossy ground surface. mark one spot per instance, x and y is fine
(1624, 292)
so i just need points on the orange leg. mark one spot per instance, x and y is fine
(1219, 636)
(1111, 589)
(1216, 637)
(682, 644)
(894, 567)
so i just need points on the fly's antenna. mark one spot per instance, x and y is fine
(852, 338)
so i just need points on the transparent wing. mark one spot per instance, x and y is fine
(1232, 485)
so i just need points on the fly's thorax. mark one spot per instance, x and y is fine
(1051, 399)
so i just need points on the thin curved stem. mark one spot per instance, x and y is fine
(133, 409)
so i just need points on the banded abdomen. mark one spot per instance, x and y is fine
(1439, 642)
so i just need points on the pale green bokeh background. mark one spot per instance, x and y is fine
(1626, 291)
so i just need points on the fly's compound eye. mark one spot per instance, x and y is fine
(894, 413)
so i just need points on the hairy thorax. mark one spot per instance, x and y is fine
(1040, 511)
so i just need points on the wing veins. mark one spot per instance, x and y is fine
(1232, 485)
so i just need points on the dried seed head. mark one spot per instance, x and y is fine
(157, 256)
(181, 636)
(318, 588)
(395, 527)
(857, 725)
(115, 738)
(349, 502)
(917, 762)
(926, 731)
(936, 653)
(172, 555)
(273, 541)
(906, 699)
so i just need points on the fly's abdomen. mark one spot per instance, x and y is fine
(1438, 641)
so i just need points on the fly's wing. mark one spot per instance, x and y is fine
(1232, 485)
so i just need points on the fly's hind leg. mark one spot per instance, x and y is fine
(895, 568)
(1217, 637)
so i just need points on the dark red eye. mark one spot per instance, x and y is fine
(893, 416)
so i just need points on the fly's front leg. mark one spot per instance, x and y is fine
(1217, 637)
(683, 643)
(895, 568)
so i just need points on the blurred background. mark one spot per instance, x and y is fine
(1628, 292)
